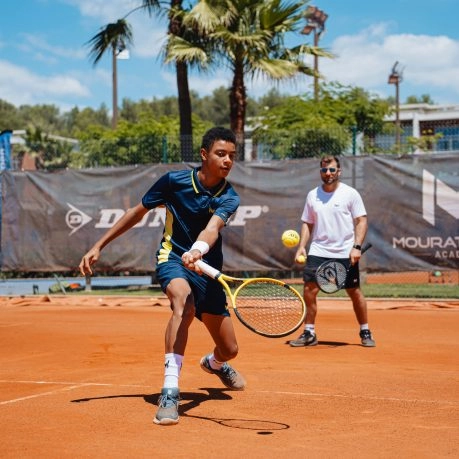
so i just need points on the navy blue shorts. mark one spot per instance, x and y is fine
(208, 293)
(313, 262)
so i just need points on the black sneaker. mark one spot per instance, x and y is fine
(306, 339)
(367, 338)
(227, 374)
(168, 403)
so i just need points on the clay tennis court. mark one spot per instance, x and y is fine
(80, 377)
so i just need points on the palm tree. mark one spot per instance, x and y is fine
(115, 36)
(176, 29)
(248, 36)
(120, 33)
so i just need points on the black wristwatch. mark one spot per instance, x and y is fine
(357, 246)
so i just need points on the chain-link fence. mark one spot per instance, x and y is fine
(413, 136)
(431, 137)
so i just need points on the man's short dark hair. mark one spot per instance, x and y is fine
(217, 133)
(325, 160)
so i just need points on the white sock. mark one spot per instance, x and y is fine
(172, 367)
(311, 328)
(364, 327)
(214, 363)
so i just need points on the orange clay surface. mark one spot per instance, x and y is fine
(80, 376)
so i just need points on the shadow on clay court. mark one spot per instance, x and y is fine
(190, 400)
(195, 398)
(330, 344)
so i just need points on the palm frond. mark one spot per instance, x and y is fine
(151, 6)
(180, 50)
(275, 69)
(207, 15)
(118, 34)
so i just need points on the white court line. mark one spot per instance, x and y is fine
(53, 392)
(17, 324)
(74, 385)
(66, 383)
(363, 397)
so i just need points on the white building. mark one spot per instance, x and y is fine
(425, 120)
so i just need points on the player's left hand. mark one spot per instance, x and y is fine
(355, 256)
(189, 259)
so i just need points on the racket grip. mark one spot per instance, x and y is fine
(366, 246)
(207, 269)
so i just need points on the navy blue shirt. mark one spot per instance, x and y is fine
(189, 207)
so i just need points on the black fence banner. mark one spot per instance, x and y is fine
(50, 219)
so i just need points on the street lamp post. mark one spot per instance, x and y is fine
(315, 19)
(114, 87)
(395, 78)
(119, 51)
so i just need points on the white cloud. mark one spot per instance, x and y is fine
(205, 84)
(46, 52)
(149, 37)
(25, 87)
(103, 10)
(366, 59)
(149, 33)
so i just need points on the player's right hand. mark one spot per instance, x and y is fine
(300, 259)
(300, 256)
(89, 259)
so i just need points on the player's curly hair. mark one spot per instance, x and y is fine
(217, 133)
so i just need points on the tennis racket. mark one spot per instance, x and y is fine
(331, 275)
(266, 306)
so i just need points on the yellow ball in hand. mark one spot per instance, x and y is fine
(290, 238)
(301, 259)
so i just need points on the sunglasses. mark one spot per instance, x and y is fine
(325, 169)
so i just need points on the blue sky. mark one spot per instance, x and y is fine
(43, 59)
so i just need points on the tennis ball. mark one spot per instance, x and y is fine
(301, 259)
(290, 238)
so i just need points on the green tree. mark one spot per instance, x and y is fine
(45, 117)
(49, 152)
(10, 117)
(271, 99)
(214, 107)
(296, 128)
(148, 140)
(304, 127)
(424, 99)
(76, 121)
(354, 107)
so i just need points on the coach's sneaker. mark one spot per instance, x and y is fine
(168, 403)
(227, 374)
(307, 338)
(367, 338)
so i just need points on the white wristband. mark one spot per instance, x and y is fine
(202, 246)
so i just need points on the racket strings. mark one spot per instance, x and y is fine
(331, 276)
(270, 308)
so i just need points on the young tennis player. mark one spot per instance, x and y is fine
(335, 219)
(198, 204)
